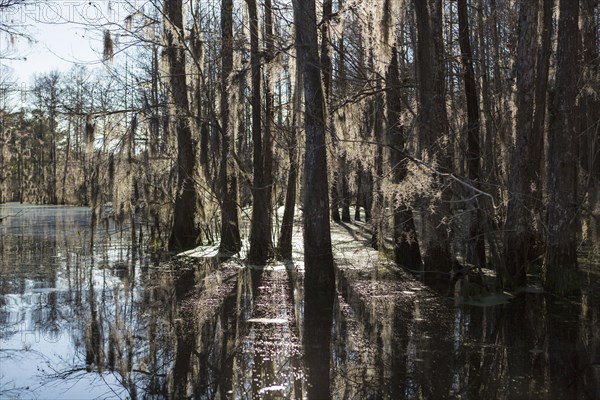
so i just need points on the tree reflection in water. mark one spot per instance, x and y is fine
(112, 323)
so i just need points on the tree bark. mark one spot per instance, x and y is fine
(261, 243)
(406, 246)
(490, 161)
(185, 233)
(432, 125)
(589, 114)
(560, 272)
(476, 242)
(591, 58)
(319, 277)
(343, 159)
(318, 256)
(541, 89)
(518, 228)
(230, 232)
(360, 202)
(327, 88)
(284, 243)
(377, 206)
(344, 167)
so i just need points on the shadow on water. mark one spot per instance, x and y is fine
(316, 340)
(111, 323)
(417, 344)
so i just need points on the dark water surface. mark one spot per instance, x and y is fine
(106, 322)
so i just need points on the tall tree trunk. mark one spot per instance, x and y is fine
(327, 88)
(406, 245)
(377, 206)
(589, 115)
(54, 82)
(501, 117)
(185, 233)
(318, 256)
(230, 232)
(343, 163)
(344, 167)
(267, 150)
(53, 160)
(319, 277)
(284, 244)
(261, 243)
(541, 89)
(268, 122)
(360, 202)
(476, 242)
(489, 168)
(66, 163)
(3, 194)
(518, 228)
(432, 125)
(560, 272)
(591, 59)
(539, 122)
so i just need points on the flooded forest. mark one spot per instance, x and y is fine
(333, 199)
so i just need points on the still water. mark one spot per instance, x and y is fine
(105, 321)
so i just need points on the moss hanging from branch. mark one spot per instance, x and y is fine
(108, 47)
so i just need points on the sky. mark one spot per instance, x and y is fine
(63, 32)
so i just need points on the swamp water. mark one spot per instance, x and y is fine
(107, 322)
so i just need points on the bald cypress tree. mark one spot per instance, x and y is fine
(185, 233)
(519, 228)
(560, 269)
(319, 277)
(476, 243)
(230, 232)
(432, 126)
(261, 243)
(406, 246)
(318, 256)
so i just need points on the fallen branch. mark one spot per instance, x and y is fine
(10, 215)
